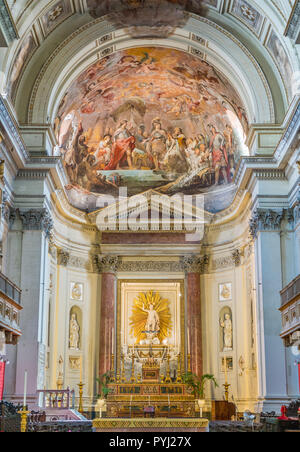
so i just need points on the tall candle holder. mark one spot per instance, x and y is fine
(113, 378)
(226, 386)
(80, 408)
(123, 379)
(132, 379)
(179, 378)
(189, 363)
(168, 377)
(24, 413)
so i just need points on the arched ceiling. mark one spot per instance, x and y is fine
(46, 26)
(241, 44)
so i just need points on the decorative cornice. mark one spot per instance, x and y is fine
(36, 220)
(269, 220)
(150, 266)
(12, 130)
(107, 264)
(79, 262)
(290, 132)
(235, 259)
(297, 210)
(9, 214)
(187, 264)
(194, 264)
(63, 257)
(222, 262)
(269, 174)
(7, 23)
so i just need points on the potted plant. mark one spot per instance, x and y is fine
(198, 386)
(104, 391)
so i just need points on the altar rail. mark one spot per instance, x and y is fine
(61, 427)
(63, 399)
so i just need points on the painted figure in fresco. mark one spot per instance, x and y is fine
(219, 154)
(141, 156)
(170, 136)
(157, 143)
(70, 154)
(103, 153)
(124, 144)
(175, 159)
(192, 154)
(230, 148)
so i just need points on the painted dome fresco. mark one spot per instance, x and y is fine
(150, 118)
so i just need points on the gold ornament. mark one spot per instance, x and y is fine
(140, 317)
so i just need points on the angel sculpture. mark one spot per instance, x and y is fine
(151, 319)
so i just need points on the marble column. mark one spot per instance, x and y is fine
(194, 322)
(31, 350)
(107, 313)
(193, 265)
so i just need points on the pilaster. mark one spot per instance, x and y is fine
(266, 226)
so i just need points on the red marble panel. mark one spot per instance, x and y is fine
(144, 238)
(107, 321)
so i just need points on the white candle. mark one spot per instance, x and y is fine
(80, 369)
(25, 388)
(225, 364)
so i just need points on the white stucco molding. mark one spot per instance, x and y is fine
(293, 26)
(11, 128)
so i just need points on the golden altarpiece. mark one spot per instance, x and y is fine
(152, 352)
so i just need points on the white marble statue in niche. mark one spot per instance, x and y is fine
(226, 325)
(74, 333)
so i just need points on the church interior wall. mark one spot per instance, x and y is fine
(61, 269)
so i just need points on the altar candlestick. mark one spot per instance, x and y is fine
(188, 341)
(25, 389)
(112, 341)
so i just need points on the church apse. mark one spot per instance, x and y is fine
(150, 118)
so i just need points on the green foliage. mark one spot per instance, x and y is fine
(198, 384)
(104, 381)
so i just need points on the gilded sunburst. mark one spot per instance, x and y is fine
(140, 316)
